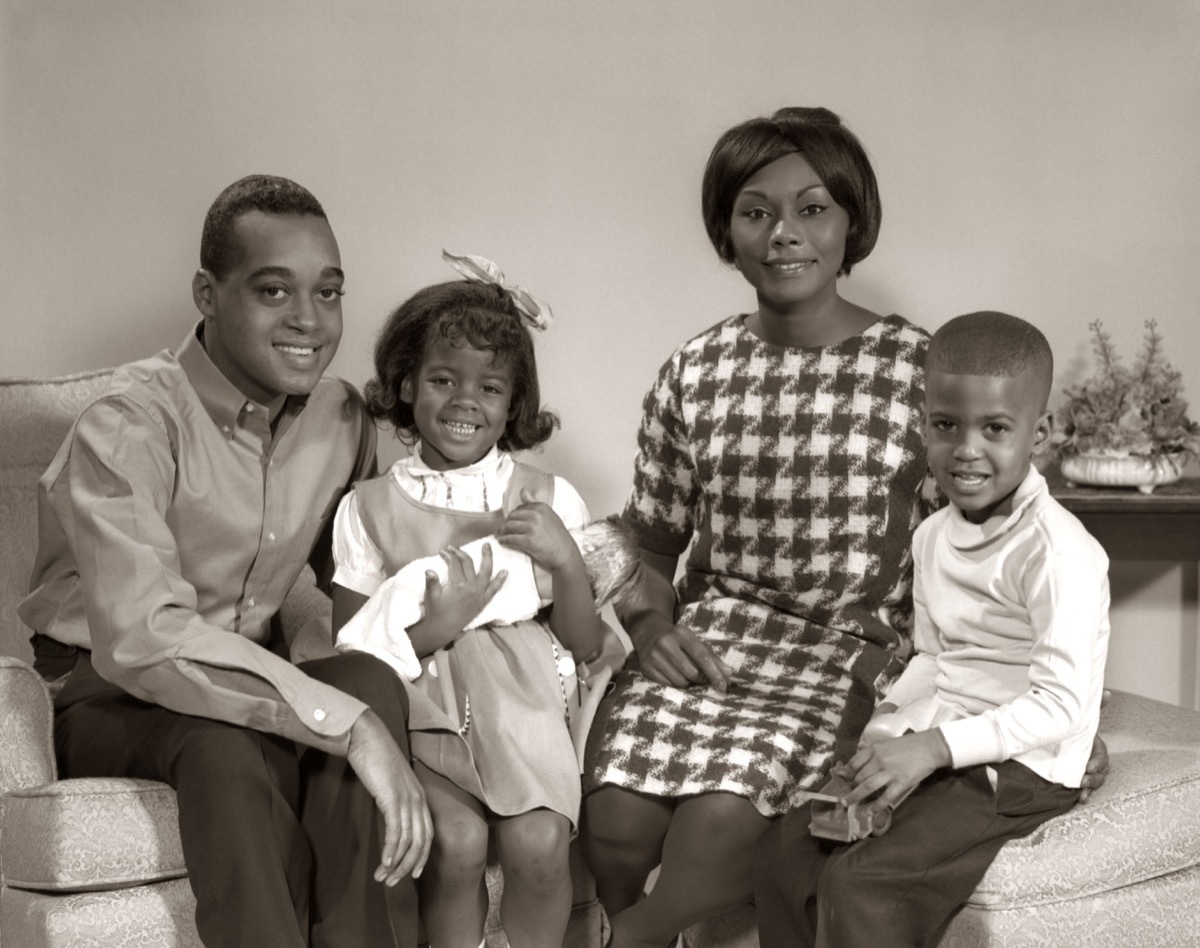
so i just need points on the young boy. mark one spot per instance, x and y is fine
(991, 725)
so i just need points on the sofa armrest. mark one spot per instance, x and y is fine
(26, 727)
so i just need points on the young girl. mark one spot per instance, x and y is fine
(455, 373)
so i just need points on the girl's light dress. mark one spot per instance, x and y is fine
(792, 478)
(493, 711)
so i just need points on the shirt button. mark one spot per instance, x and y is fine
(270, 538)
(249, 409)
(319, 714)
(250, 602)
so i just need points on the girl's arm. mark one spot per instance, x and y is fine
(536, 530)
(670, 654)
(449, 607)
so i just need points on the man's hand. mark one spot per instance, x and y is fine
(892, 768)
(408, 827)
(674, 655)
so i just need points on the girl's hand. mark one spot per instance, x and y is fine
(892, 768)
(450, 606)
(537, 531)
(673, 654)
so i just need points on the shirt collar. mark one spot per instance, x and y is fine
(224, 401)
(488, 464)
(966, 535)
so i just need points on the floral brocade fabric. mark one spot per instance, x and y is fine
(793, 480)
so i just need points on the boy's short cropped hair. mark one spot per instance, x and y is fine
(219, 247)
(831, 149)
(995, 344)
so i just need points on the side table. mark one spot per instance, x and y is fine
(1161, 526)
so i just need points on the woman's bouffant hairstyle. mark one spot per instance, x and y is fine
(463, 313)
(832, 150)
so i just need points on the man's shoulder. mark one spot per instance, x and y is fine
(334, 401)
(153, 384)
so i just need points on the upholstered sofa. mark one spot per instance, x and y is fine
(1119, 871)
(98, 862)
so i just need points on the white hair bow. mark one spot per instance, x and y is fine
(534, 312)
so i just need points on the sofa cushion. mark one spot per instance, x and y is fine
(153, 915)
(89, 834)
(1143, 823)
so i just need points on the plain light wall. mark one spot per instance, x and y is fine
(1033, 157)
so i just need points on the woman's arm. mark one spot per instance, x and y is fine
(670, 654)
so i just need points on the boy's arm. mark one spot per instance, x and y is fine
(1067, 601)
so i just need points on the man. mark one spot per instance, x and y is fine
(175, 518)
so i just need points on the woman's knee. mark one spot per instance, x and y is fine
(620, 820)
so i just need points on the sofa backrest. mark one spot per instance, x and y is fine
(35, 415)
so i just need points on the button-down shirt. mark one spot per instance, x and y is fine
(172, 523)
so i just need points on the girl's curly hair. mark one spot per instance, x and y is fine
(463, 313)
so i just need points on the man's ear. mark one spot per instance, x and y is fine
(1042, 432)
(406, 390)
(204, 292)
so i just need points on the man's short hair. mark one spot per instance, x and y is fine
(219, 247)
(995, 344)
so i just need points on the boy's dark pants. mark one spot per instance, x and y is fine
(281, 843)
(900, 888)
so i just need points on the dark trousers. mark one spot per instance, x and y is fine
(281, 842)
(898, 889)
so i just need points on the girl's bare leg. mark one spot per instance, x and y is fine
(707, 869)
(537, 881)
(453, 897)
(622, 838)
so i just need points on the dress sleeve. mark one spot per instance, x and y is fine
(147, 636)
(666, 489)
(569, 506)
(357, 560)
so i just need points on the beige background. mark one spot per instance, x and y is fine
(1036, 156)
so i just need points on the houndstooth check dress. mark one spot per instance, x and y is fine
(796, 476)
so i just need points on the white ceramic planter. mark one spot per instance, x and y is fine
(1143, 473)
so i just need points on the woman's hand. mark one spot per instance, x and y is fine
(674, 655)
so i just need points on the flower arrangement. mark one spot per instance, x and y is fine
(1128, 412)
